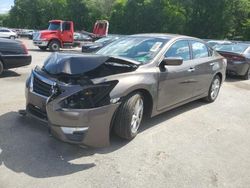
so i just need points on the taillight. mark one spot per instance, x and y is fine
(25, 48)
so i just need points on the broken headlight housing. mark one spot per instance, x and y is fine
(92, 97)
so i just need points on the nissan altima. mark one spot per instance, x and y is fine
(84, 97)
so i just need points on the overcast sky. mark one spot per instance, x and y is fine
(5, 5)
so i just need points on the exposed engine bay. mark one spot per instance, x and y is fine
(66, 70)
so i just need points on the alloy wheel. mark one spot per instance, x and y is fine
(137, 115)
(215, 88)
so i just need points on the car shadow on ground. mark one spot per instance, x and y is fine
(25, 145)
(9, 73)
(37, 50)
(232, 78)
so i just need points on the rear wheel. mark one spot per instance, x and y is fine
(12, 37)
(129, 117)
(43, 48)
(54, 46)
(1, 67)
(247, 75)
(214, 89)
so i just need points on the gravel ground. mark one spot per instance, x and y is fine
(196, 145)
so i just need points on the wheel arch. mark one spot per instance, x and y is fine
(220, 75)
(147, 99)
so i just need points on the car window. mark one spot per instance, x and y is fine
(66, 26)
(179, 49)
(199, 50)
(4, 30)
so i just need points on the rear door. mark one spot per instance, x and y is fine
(204, 64)
(176, 83)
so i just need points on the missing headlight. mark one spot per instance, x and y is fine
(92, 97)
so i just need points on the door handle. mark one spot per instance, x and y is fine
(191, 69)
(212, 64)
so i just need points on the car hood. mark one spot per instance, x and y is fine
(76, 64)
(45, 32)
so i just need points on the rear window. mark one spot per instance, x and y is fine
(199, 49)
(235, 48)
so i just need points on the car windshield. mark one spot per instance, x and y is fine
(235, 48)
(141, 49)
(54, 26)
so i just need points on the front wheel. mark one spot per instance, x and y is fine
(54, 46)
(129, 117)
(214, 89)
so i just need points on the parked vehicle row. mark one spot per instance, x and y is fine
(7, 33)
(83, 97)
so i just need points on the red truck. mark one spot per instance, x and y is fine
(61, 34)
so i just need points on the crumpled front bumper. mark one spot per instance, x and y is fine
(89, 127)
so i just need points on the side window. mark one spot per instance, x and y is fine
(66, 26)
(179, 49)
(199, 49)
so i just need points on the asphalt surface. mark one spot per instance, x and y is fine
(196, 145)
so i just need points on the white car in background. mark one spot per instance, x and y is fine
(7, 33)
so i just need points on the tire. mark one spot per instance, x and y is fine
(12, 37)
(129, 116)
(1, 67)
(43, 48)
(214, 89)
(247, 75)
(54, 46)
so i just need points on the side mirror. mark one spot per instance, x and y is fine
(172, 61)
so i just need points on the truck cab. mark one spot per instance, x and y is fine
(58, 35)
(61, 33)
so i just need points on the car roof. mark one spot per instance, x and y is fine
(237, 43)
(3, 40)
(167, 36)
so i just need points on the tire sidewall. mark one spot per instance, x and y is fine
(54, 43)
(123, 117)
(1, 67)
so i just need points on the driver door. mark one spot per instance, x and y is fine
(176, 83)
(67, 34)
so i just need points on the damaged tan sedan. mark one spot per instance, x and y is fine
(84, 97)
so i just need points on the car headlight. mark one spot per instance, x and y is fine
(92, 97)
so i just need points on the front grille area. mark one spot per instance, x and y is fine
(41, 87)
(37, 112)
